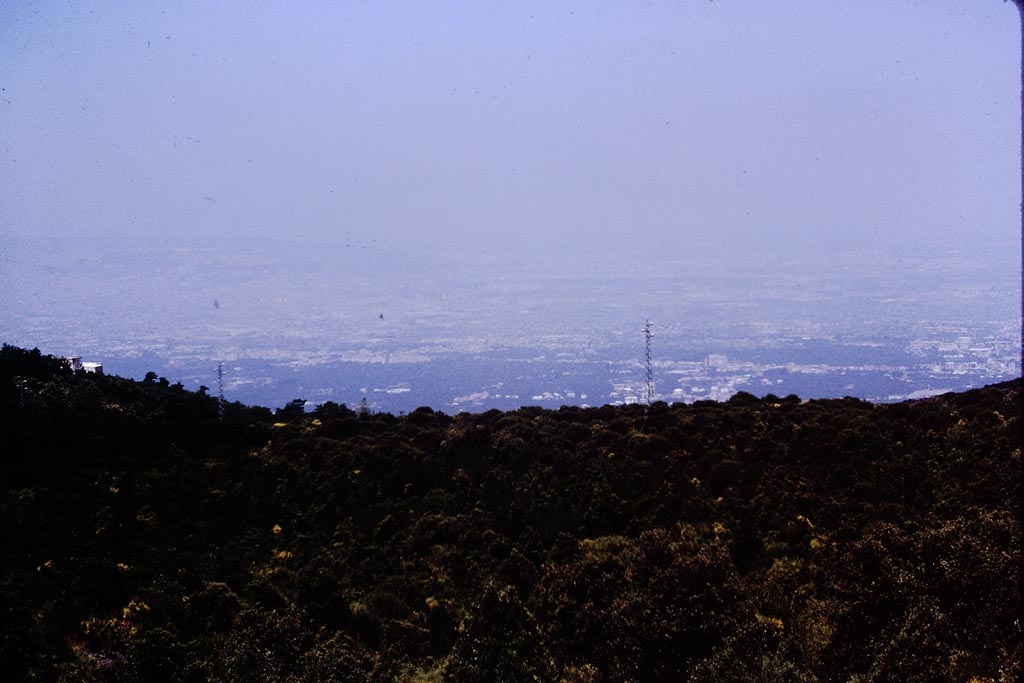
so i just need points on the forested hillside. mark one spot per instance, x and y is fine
(146, 539)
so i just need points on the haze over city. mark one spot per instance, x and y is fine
(480, 206)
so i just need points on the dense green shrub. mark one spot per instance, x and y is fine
(146, 539)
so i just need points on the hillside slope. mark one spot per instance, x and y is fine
(145, 539)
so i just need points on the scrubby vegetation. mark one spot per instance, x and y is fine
(145, 539)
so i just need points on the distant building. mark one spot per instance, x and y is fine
(77, 365)
(715, 360)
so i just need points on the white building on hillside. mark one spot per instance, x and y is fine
(88, 366)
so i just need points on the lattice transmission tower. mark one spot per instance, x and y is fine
(648, 367)
(220, 391)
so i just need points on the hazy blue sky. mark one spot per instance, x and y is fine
(568, 127)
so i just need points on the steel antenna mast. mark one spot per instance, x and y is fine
(649, 370)
(220, 391)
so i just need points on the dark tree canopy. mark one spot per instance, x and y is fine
(148, 539)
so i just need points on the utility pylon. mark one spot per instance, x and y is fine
(220, 391)
(649, 397)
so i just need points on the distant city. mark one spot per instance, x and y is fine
(317, 325)
(884, 371)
